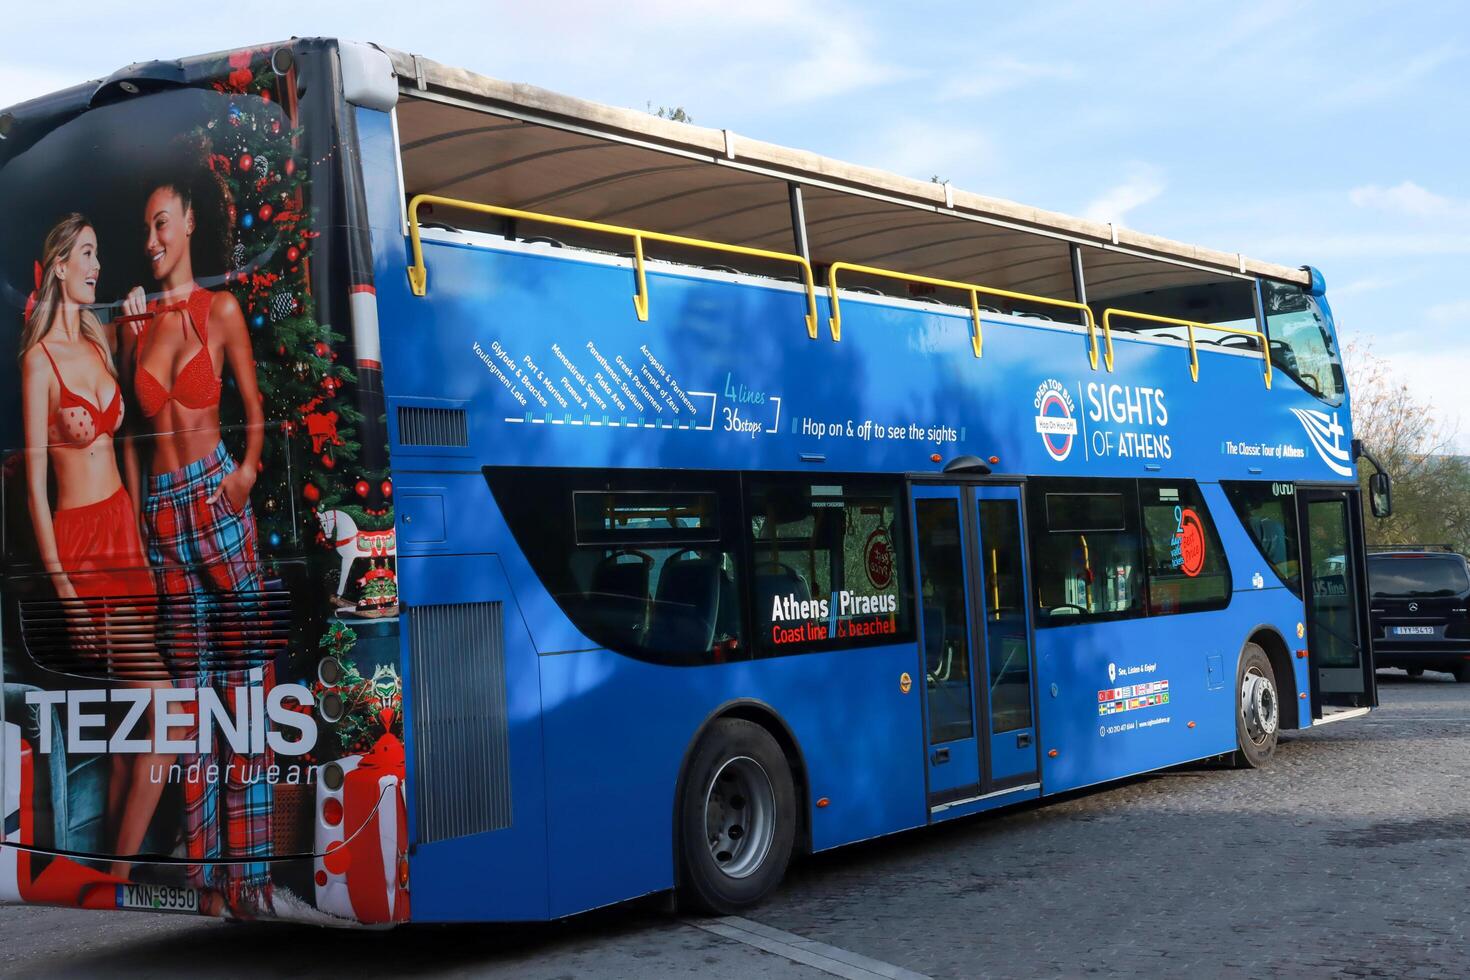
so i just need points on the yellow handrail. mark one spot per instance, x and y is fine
(1191, 326)
(418, 275)
(835, 324)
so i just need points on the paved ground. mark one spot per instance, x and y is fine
(1350, 856)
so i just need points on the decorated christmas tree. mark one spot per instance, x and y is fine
(311, 460)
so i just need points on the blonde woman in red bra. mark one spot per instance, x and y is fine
(73, 406)
(200, 528)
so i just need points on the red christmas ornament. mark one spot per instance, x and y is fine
(246, 160)
(362, 489)
(321, 349)
(265, 96)
(292, 254)
(290, 166)
(266, 211)
(328, 461)
(311, 492)
(387, 488)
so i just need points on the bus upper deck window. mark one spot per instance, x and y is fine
(1302, 344)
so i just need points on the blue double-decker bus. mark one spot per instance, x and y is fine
(428, 498)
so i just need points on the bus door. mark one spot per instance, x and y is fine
(975, 640)
(1332, 583)
(1007, 628)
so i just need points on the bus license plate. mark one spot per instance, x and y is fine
(1413, 631)
(158, 898)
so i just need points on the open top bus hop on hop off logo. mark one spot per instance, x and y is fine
(1056, 419)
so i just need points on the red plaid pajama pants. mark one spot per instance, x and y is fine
(204, 556)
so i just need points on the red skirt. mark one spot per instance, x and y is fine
(101, 551)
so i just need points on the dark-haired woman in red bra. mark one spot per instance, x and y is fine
(72, 403)
(199, 526)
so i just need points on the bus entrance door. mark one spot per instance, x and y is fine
(1342, 667)
(975, 640)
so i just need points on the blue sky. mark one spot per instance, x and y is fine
(1310, 132)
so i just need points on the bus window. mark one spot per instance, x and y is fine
(1268, 511)
(1301, 342)
(828, 563)
(1187, 571)
(1089, 557)
(642, 563)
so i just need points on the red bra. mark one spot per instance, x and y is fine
(196, 386)
(77, 422)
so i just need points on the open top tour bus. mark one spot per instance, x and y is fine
(429, 498)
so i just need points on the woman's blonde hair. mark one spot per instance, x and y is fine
(59, 242)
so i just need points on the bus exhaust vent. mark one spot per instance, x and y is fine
(433, 427)
(460, 729)
(156, 638)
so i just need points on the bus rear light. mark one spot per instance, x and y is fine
(331, 811)
(337, 859)
(823, 802)
(1301, 655)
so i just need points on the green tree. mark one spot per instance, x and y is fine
(1412, 439)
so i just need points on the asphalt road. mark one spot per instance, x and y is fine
(1349, 856)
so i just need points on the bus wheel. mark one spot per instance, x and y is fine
(737, 817)
(1258, 709)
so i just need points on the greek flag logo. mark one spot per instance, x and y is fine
(1325, 433)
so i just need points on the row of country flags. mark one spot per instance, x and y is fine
(1148, 695)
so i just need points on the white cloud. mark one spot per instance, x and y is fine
(1407, 199)
(1143, 186)
(1392, 77)
(922, 149)
(994, 76)
(1453, 313)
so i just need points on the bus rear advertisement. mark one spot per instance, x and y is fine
(426, 498)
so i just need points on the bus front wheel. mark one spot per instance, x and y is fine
(737, 818)
(1257, 709)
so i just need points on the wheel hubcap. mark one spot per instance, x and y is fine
(739, 816)
(1259, 707)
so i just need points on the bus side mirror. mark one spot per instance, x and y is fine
(1380, 494)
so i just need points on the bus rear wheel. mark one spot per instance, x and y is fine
(737, 818)
(1258, 709)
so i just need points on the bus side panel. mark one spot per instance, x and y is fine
(464, 878)
(617, 731)
(1167, 672)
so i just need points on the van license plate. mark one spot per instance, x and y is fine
(1413, 631)
(158, 898)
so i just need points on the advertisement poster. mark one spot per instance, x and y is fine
(200, 624)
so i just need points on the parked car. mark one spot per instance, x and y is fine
(1420, 610)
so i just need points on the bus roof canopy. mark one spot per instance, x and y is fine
(424, 78)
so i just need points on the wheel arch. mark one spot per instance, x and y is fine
(760, 713)
(1269, 639)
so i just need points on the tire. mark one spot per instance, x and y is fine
(1257, 709)
(736, 819)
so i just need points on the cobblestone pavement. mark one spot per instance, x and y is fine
(1349, 856)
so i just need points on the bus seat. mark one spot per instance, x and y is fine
(685, 608)
(618, 595)
(1272, 537)
(773, 579)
